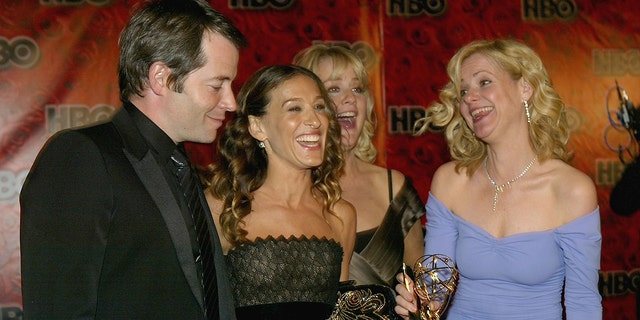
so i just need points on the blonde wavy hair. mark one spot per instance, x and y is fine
(342, 59)
(548, 130)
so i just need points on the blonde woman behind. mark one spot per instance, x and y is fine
(389, 229)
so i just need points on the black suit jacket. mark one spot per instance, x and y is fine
(102, 234)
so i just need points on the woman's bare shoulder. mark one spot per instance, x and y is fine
(575, 191)
(346, 224)
(345, 210)
(446, 179)
(215, 206)
(397, 180)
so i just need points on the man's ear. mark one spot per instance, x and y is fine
(158, 77)
(255, 128)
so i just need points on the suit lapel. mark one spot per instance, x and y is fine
(150, 174)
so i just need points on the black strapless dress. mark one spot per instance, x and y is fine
(285, 278)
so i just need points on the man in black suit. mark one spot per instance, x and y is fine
(106, 232)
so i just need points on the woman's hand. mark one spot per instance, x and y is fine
(406, 302)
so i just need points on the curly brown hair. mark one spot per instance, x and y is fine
(242, 167)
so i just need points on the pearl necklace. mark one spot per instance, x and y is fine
(501, 188)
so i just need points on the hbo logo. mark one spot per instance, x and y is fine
(20, 51)
(548, 9)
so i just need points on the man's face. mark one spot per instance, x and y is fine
(199, 110)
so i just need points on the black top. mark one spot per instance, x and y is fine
(625, 195)
(294, 278)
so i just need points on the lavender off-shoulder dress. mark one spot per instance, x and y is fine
(520, 276)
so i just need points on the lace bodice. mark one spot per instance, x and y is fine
(280, 270)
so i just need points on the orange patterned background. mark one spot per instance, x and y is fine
(58, 70)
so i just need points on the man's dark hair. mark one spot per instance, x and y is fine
(170, 31)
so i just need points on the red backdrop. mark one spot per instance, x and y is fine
(58, 69)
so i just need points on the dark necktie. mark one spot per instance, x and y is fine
(188, 181)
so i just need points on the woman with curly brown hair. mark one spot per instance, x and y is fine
(275, 197)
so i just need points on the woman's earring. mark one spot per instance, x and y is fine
(526, 108)
(261, 144)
